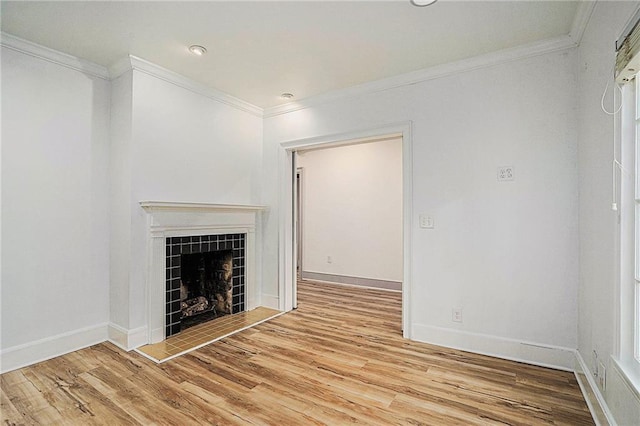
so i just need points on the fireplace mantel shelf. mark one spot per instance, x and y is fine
(179, 205)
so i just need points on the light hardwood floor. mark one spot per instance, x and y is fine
(338, 359)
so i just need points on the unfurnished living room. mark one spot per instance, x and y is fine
(403, 212)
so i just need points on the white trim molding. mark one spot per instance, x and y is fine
(465, 65)
(189, 205)
(352, 281)
(270, 301)
(51, 347)
(286, 259)
(622, 394)
(173, 219)
(127, 339)
(581, 20)
(138, 64)
(130, 62)
(594, 399)
(38, 51)
(544, 355)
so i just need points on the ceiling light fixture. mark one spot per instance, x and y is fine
(197, 50)
(287, 95)
(423, 3)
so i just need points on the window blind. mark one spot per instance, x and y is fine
(627, 49)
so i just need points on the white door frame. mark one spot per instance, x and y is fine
(287, 253)
(299, 217)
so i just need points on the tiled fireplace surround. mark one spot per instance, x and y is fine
(200, 244)
(201, 221)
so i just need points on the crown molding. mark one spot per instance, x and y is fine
(120, 67)
(477, 62)
(131, 62)
(134, 63)
(581, 20)
(38, 51)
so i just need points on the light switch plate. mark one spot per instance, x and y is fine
(505, 173)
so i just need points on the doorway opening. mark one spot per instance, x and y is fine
(351, 213)
(299, 260)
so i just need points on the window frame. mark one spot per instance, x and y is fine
(627, 195)
(635, 155)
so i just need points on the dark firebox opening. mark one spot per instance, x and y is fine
(205, 287)
(177, 292)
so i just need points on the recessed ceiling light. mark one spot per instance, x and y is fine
(423, 3)
(197, 50)
(287, 95)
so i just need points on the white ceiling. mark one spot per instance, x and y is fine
(258, 50)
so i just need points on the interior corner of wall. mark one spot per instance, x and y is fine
(270, 301)
(593, 397)
(127, 339)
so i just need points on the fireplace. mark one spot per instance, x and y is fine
(205, 279)
(178, 229)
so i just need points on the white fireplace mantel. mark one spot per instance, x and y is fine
(188, 205)
(171, 219)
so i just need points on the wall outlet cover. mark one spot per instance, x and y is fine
(505, 173)
(426, 221)
(456, 315)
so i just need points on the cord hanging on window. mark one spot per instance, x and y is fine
(623, 172)
(614, 204)
(606, 88)
(614, 163)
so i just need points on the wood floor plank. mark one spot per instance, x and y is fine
(10, 413)
(338, 359)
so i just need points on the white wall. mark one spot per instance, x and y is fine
(184, 147)
(55, 136)
(76, 162)
(506, 253)
(352, 210)
(597, 294)
(120, 166)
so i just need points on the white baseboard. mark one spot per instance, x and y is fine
(270, 301)
(550, 356)
(592, 395)
(251, 304)
(353, 281)
(127, 339)
(51, 347)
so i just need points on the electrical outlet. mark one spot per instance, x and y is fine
(594, 363)
(456, 315)
(505, 173)
(329, 260)
(426, 222)
(602, 376)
